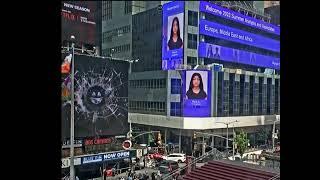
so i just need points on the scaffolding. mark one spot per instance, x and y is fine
(244, 7)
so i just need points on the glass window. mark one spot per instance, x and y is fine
(192, 41)
(192, 18)
(175, 86)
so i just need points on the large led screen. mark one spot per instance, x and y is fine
(172, 34)
(101, 98)
(213, 51)
(237, 17)
(196, 93)
(232, 34)
(78, 18)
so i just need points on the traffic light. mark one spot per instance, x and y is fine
(194, 135)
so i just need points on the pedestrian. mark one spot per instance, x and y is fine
(153, 176)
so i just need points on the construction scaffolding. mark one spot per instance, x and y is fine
(244, 7)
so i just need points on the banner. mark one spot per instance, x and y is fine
(214, 51)
(231, 34)
(238, 17)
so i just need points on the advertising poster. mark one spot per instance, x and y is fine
(197, 93)
(78, 18)
(101, 98)
(172, 34)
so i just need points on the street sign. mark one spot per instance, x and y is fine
(65, 162)
(139, 153)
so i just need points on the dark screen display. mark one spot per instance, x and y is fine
(78, 18)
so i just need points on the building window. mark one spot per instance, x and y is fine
(193, 18)
(175, 86)
(147, 106)
(127, 7)
(191, 60)
(106, 10)
(175, 109)
(192, 41)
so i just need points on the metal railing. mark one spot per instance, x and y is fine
(275, 177)
(213, 155)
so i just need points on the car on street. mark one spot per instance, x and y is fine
(177, 157)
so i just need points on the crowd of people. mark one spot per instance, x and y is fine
(132, 175)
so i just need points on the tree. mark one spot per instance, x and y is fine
(262, 136)
(241, 141)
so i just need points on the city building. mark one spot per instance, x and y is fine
(274, 11)
(248, 93)
(117, 26)
(271, 3)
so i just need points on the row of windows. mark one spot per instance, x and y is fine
(107, 36)
(135, 106)
(247, 98)
(106, 10)
(127, 7)
(192, 41)
(149, 83)
(117, 49)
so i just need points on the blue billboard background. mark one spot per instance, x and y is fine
(213, 51)
(238, 17)
(196, 106)
(224, 32)
(172, 51)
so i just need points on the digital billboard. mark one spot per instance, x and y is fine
(238, 17)
(172, 34)
(196, 93)
(101, 98)
(78, 18)
(213, 51)
(232, 34)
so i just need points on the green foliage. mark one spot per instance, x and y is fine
(241, 141)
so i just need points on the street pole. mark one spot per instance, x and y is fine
(273, 132)
(233, 142)
(203, 146)
(227, 138)
(72, 173)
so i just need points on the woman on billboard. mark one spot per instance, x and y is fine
(175, 41)
(196, 88)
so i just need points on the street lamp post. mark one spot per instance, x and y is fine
(227, 124)
(273, 132)
(72, 172)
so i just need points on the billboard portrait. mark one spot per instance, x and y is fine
(197, 93)
(172, 34)
(101, 98)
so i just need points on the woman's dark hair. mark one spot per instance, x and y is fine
(191, 84)
(178, 32)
